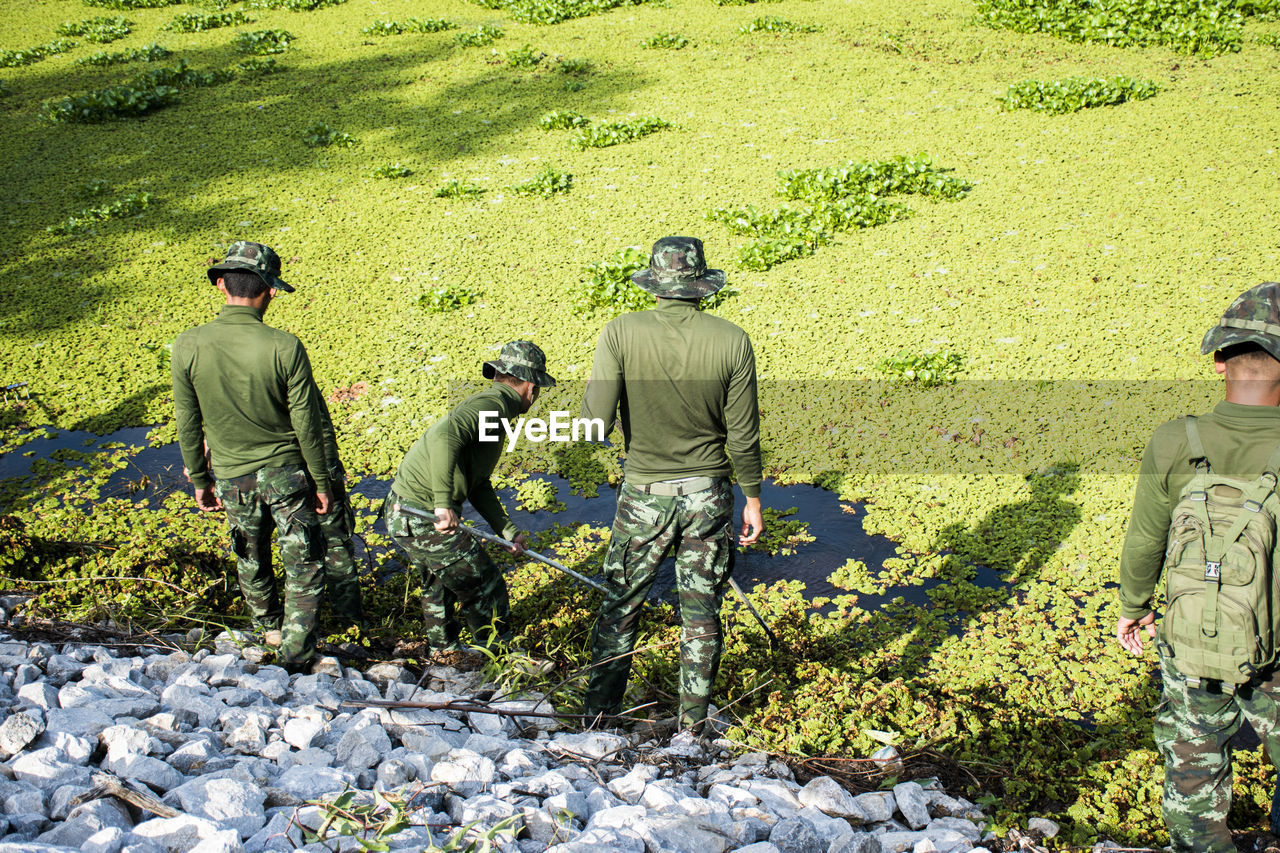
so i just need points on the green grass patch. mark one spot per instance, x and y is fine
(772, 24)
(196, 22)
(665, 41)
(480, 36)
(1076, 93)
(103, 30)
(546, 183)
(32, 55)
(150, 53)
(129, 205)
(263, 42)
(409, 25)
(553, 11)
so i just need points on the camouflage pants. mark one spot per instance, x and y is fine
(341, 577)
(1193, 730)
(699, 527)
(277, 499)
(458, 577)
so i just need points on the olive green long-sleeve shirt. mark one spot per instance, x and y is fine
(449, 464)
(1238, 440)
(246, 388)
(684, 385)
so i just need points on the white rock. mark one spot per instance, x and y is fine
(1044, 826)
(571, 803)
(177, 834)
(363, 747)
(889, 760)
(826, 795)
(300, 731)
(108, 840)
(793, 835)
(464, 771)
(192, 756)
(877, 806)
(225, 841)
(912, 804)
(899, 842)
(759, 847)
(151, 771)
(684, 835)
(860, 842)
(309, 783)
(616, 817)
(967, 828)
(828, 829)
(40, 694)
(775, 795)
(484, 808)
(489, 746)
(630, 786)
(248, 738)
(18, 730)
(229, 803)
(48, 769)
(281, 833)
(123, 741)
(593, 745)
(23, 798)
(87, 820)
(82, 722)
(393, 773)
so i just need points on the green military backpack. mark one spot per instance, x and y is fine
(1221, 618)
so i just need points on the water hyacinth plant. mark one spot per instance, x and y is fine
(391, 170)
(295, 5)
(258, 66)
(132, 4)
(263, 42)
(480, 36)
(553, 11)
(129, 205)
(409, 25)
(1075, 93)
(928, 370)
(772, 24)
(321, 135)
(610, 133)
(146, 93)
(546, 183)
(150, 53)
(195, 22)
(608, 286)
(525, 57)
(563, 120)
(102, 30)
(458, 189)
(32, 55)
(447, 297)
(665, 41)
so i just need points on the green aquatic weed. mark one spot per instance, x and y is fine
(546, 183)
(409, 25)
(480, 36)
(772, 24)
(321, 135)
(458, 189)
(447, 297)
(32, 55)
(130, 205)
(928, 370)
(525, 57)
(665, 41)
(194, 22)
(554, 11)
(103, 30)
(1075, 93)
(263, 42)
(612, 133)
(562, 120)
(390, 170)
(150, 53)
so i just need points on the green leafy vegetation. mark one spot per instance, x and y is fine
(525, 57)
(98, 30)
(480, 36)
(609, 286)
(391, 170)
(195, 22)
(409, 25)
(150, 53)
(32, 55)
(258, 66)
(839, 198)
(1197, 27)
(447, 297)
(458, 189)
(1269, 39)
(321, 135)
(610, 133)
(1076, 93)
(563, 120)
(147, 93)
(263, 42)
(741, 2)
(129, 205)
(575, 67)
(546, 183)
(928, 370)
(665, 41)
(772, 24)
(295, 5)
(553, 11)
(132, 4)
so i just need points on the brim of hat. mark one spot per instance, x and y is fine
(519, 371)
(1221, 337)
(696, 288)
(271, 280)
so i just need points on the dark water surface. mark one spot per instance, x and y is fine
(836, 525)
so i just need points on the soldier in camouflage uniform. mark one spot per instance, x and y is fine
(1197, 718)
(684, 385)
(450, 464)
(246, 390)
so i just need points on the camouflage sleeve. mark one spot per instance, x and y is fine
(604, 387)
(305, 416)
(190, 422)
(742, 422)
(486, 502)
(1143, 556)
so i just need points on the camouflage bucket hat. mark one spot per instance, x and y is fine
(678, 270)
(1253, 318)
(252, 257)
(523, 360)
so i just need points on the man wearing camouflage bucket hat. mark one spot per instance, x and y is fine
(1203, 515)
(451, 463)
(245, 390)
(684, 385)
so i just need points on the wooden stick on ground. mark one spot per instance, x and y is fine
(107, 785)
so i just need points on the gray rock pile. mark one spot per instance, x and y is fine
(213, 752)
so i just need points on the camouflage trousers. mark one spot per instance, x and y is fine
(1193, 731)
(341, 577)
(278, 499)
(458, 578)
(699, 528)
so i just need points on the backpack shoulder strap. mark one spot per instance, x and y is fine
(1198, 457)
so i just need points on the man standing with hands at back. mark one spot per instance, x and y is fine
(1204, 516)
(683, 384)
(247, 390)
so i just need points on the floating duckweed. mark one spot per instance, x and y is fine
(150, 53)
(617, 132)
(129, 205)
(391, 170)
(447, 297)
(525, 57)
(194, 22)
(665, 41)
(1075, 93)
(771, 24)
(410, 25)
(98, 30)
(480, 36)
(32, 55)
(458, 189)
(321, 135)
(546, 183)
(262, 42)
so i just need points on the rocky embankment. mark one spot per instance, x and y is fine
(213, 752)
